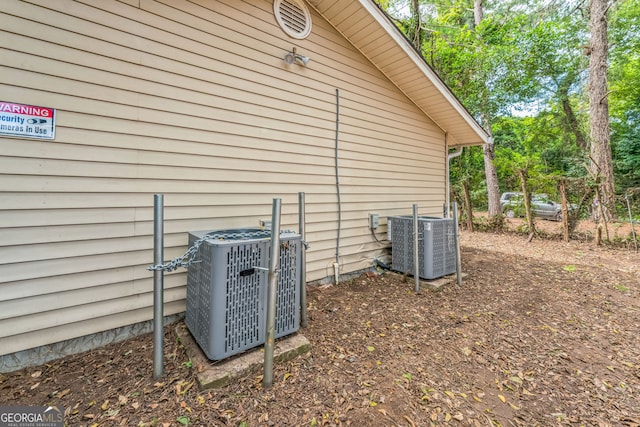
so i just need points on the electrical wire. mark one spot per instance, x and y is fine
(338, 176)
(382, 242)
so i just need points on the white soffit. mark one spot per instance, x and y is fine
(372, 33)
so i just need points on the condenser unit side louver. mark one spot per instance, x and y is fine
(436, 246)
(227, 289)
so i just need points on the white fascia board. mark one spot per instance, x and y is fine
(402, 42)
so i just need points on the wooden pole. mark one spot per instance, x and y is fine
(565, 210)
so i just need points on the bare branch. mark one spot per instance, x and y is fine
(606, 95)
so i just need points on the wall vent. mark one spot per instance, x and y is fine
(293, 17)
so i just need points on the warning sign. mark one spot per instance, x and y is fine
(27, 121)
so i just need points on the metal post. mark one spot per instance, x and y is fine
(303, 261)
(158, 285)
(457, 243)
(416, 257)
(269, 345)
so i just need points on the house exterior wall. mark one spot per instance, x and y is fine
(191, 99)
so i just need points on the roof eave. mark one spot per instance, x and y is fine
(454, 119)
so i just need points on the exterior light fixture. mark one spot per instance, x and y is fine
(293, 56)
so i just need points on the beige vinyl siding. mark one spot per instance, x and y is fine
(192, 100)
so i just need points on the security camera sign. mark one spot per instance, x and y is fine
(27, 121)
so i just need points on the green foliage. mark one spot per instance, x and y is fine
(469, 167)
(534, 143)
(624, 78)
(530, 58)
(493, 224)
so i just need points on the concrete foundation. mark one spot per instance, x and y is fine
(43, 354)
(218, 374)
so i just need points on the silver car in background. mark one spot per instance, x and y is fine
(512, 205)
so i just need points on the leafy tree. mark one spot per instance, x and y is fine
(473, 53)
(558, 66)
(469, 167)
(531, 58)
(624, 78)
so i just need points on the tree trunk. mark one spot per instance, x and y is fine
(477, 12)
(601, 158)
(491, 175)
(572, 122)
(601, 214)
(526, 195)
(417, 29)
(467, 204)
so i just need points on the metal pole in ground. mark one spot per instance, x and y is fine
(158, 285)
(303, 261)
(416, 257)
(457, 243)
(272, 289)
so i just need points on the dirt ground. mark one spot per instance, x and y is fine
(541, 333)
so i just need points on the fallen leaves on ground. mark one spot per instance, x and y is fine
(526, 341)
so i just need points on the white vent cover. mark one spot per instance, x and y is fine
(293, 17)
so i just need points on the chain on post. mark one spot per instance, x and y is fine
(189, 257)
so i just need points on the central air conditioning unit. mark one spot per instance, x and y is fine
(227, 289)
(436, 246)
